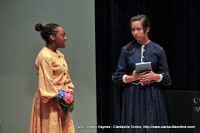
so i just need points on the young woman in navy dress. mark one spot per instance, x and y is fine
(143, 102)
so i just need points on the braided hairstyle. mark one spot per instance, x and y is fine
(47, 30)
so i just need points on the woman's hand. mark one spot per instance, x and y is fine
(135, 76)
(143, 77)
(148, 76)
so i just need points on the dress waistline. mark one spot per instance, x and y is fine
(142, 84)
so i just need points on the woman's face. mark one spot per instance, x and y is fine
(60, 38)
(138, 32)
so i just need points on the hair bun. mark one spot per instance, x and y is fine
(38, 27)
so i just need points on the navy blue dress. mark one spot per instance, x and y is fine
(143, 105)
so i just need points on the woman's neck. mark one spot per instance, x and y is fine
(144, 42)
(51, 47)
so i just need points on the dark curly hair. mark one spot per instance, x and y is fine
(47, 30)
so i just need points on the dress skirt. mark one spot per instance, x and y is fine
(45, 118)
(144, 109)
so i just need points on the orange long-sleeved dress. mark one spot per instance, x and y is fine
(53, 74)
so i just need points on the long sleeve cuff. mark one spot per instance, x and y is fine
(161, 77)
(123, 78)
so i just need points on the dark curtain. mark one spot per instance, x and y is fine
(174, 25)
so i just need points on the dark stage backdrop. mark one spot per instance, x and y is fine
(174, 25)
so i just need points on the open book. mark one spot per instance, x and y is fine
(142, 67)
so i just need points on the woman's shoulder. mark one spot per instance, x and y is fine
(156, 48)
(128, 46)
(45, 53)
(48, 55)
(156, 45)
